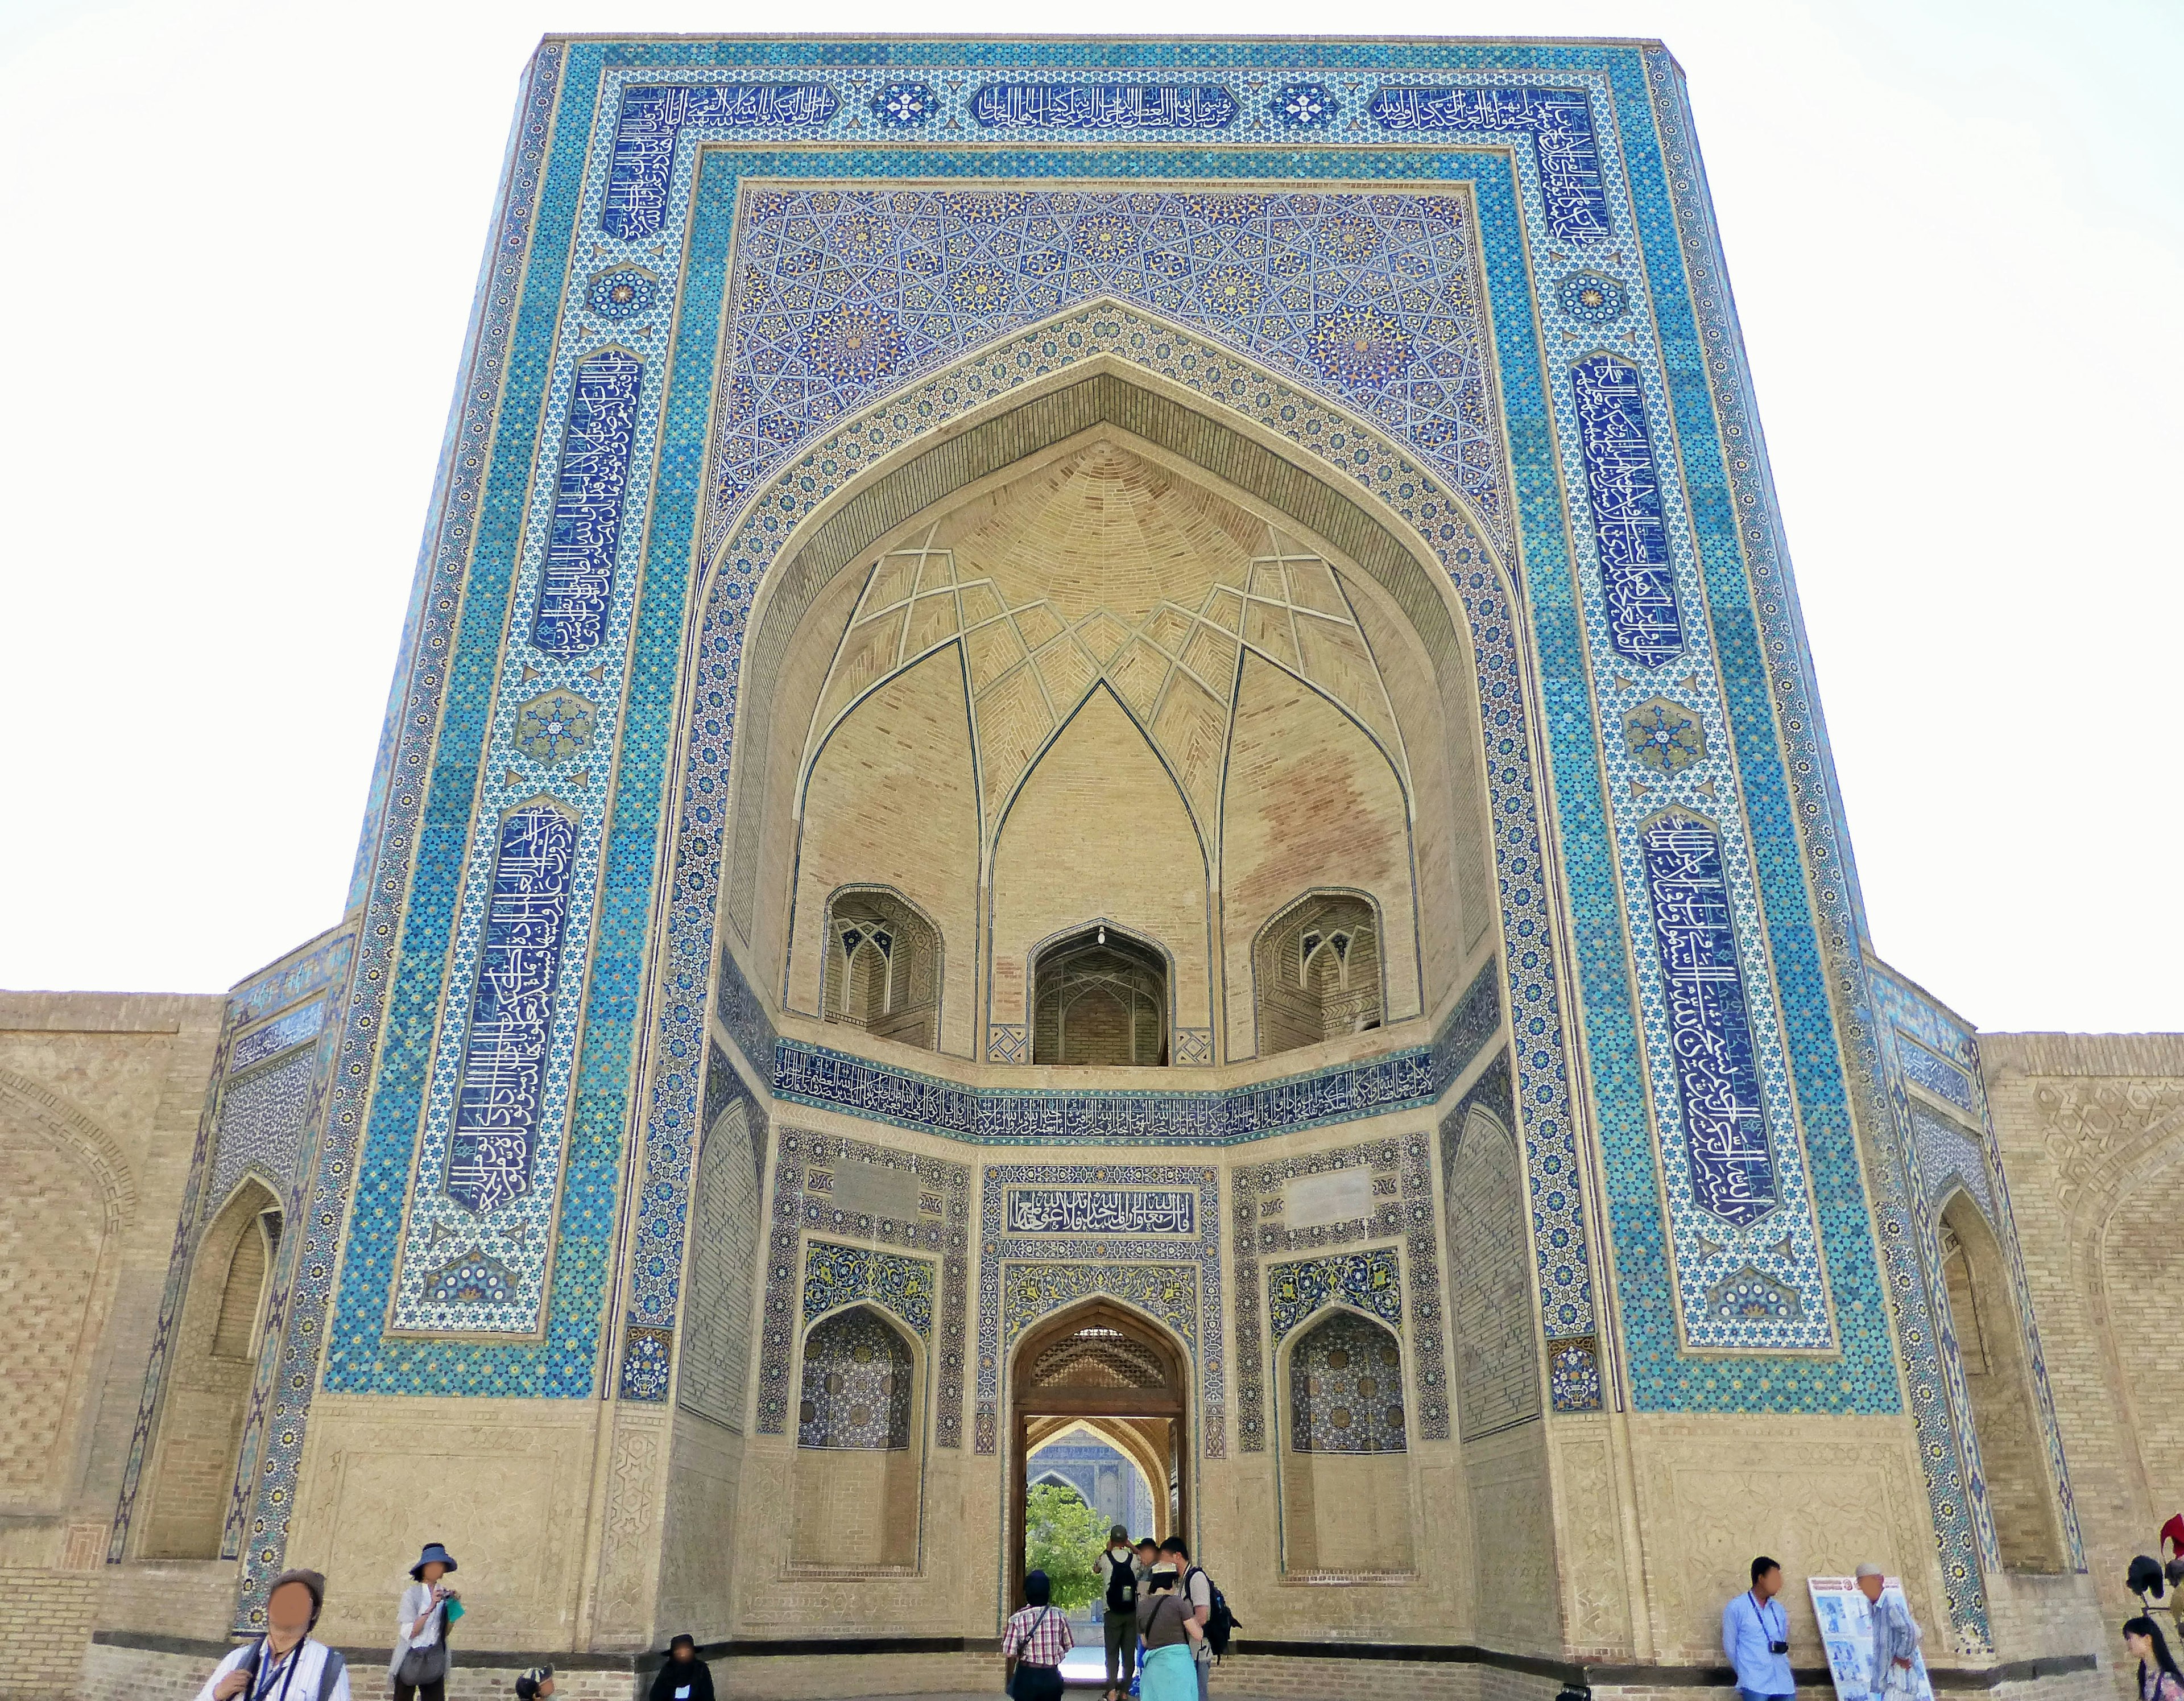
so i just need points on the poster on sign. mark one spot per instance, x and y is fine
(1846, 1619)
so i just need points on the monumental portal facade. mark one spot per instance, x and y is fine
(1099, 741)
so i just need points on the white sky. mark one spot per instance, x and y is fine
(239, 247)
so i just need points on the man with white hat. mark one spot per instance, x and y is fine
(1895, 1634)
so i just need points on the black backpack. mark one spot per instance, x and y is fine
(1121, 1585)
(1220, 1622)
(329, 1675)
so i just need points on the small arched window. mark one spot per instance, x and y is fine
(1317, 969)
(1346, 1388)
(884, 968)
(234, 1335)
(856, 1385)
(1099, 1000)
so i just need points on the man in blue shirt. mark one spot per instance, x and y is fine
(1755, 1635)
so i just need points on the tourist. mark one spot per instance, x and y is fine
(285, 1662)
(685, 1677)
(535, 1684)
(2158, 1679)
(1895, 1634)
(1755, 1635)
(1170, 1631)
(1032, 1644)
(1208, 1611)
(1116, 1568)
(427, 1609)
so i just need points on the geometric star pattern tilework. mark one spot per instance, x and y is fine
(841, 294)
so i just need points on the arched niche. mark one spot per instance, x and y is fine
(65, 1195)
(882, 967)
(1497, 1353)
(1983, 1316)
(1104, 1363)
(1100, 998)
(1344, 1464)
(217, 1340)
(1316, 971)
(859, 1417)
(877, 612)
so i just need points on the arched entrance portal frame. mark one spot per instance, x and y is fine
(1101, 1359)
(1334, 478)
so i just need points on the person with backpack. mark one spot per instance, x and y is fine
(1032, 1644)
(1170, 1631)
(422, 1618)
(1116, 1569)
(285, 1663)
(1209, 1610)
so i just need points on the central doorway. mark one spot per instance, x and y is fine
(1102, 1367)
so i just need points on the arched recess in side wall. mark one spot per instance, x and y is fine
(1346, 1449)
(861, 1418)
(1497, 1374)
(66, 1194)
(208, 1393)
(1983, 1316)
(861, 588)
(2142, 1264)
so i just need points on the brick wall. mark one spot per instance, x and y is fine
(894, 801)
(2092, 1133)
(43, 1630)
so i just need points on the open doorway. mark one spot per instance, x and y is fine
(1102, 1371)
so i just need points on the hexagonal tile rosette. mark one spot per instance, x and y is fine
(554, 726)
(1663, 736)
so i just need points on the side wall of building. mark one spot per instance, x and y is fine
(2092, 1134)
(99, 1100)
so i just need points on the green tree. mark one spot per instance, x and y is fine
(1062, 1538)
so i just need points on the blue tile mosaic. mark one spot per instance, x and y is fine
(1402, 1209)
(1732, 1171)
(1100, 1210)
(577, 585)
(932, 1219)
(1103, 106)
(651, 118)
(1623, 484)
(1938, 1075)
(836, 1276)
(276, 1036)
(1558, 120)
(1371, 1281)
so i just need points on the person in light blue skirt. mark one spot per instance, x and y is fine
(1169, 1670)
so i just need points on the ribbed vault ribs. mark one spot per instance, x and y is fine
(843, 540)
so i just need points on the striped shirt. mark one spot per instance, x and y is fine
(1036, 1636)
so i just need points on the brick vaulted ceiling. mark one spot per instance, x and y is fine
(1099, 565)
